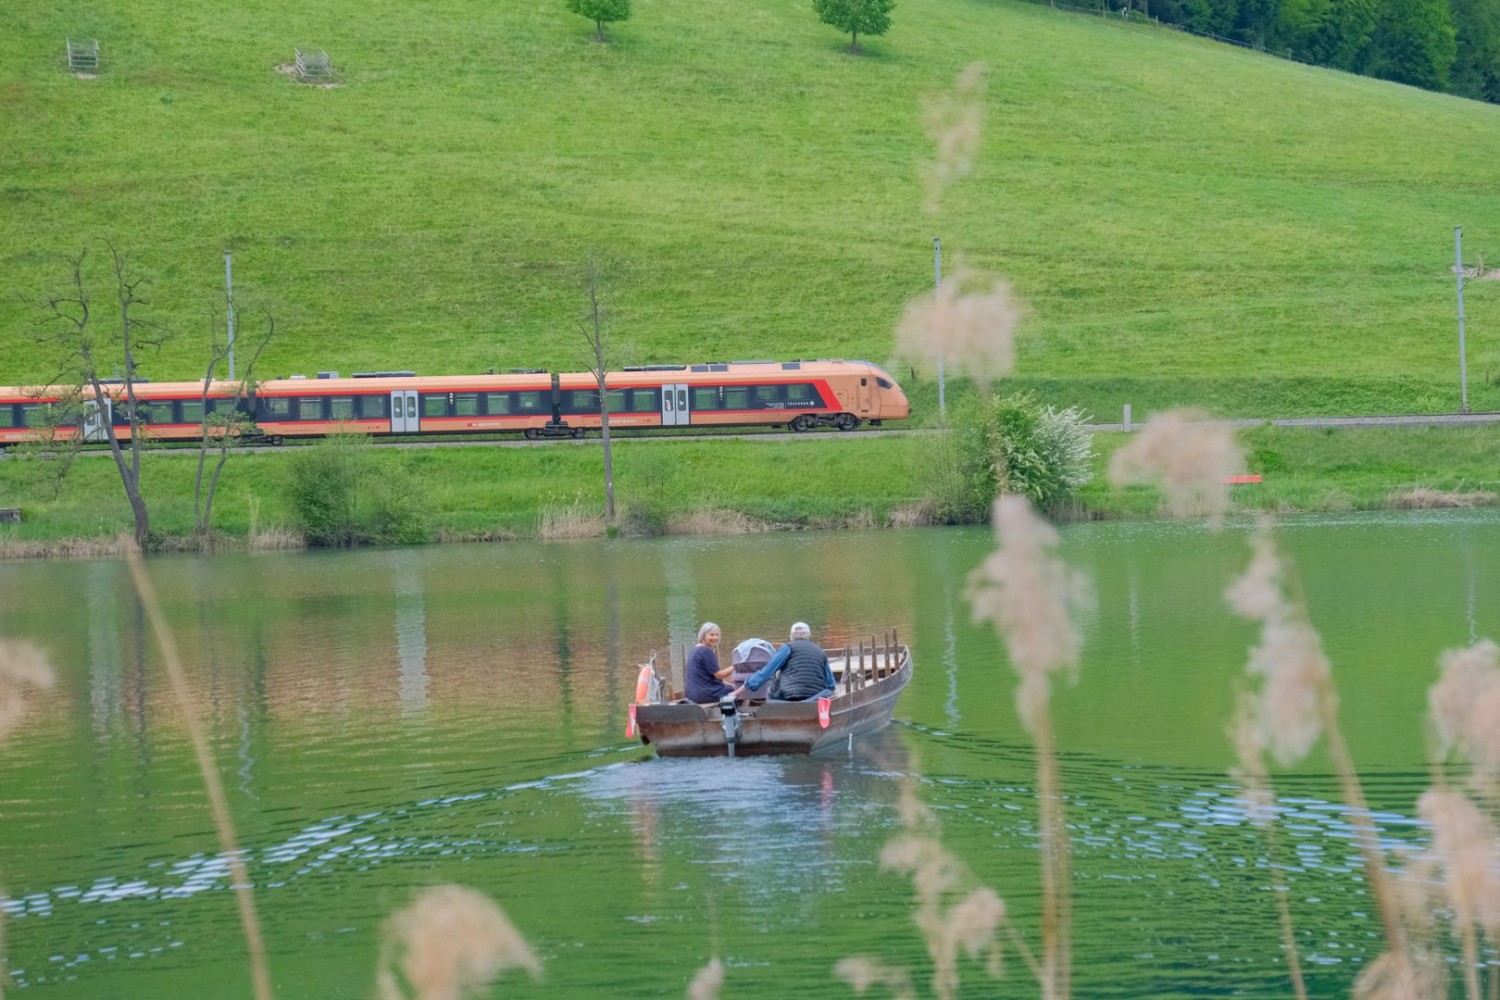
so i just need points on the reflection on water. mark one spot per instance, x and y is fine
(386, 720)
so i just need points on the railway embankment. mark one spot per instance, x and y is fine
(706, 486)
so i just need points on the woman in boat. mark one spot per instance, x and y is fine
(803, 666)
(705, 679)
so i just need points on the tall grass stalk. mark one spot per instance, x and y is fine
(259, 973)
(1293, 704)
(1030, 595)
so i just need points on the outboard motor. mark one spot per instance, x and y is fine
(730, 717)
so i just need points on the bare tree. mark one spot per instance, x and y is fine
(223, 428)
(595, 328)
(86, 346)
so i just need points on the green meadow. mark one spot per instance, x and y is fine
(1186, 222)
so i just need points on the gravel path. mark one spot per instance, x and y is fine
(1408, 420)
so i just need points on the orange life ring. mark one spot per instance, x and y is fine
(643, 684)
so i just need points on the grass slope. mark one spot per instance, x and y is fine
(1187, 222)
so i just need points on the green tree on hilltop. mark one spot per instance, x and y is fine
(1414, 43)
(601, 12)
(867, 17)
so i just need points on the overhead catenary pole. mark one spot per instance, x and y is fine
(1463, 364)
(229, 308)
(937, 282)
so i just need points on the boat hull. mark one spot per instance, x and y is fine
(682, 729)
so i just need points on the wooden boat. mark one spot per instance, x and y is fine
(869, 681)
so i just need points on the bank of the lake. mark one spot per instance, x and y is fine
(665, 485)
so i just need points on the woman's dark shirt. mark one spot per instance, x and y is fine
(702, 686)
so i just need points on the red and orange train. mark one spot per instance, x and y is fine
(800, 395)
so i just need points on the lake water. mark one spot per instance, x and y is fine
(387, 720)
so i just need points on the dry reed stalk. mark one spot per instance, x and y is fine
(567, 523)
(1463, 713)
(1463, 841)
(259, 974)
(1260, 802)
(1426, 498)
(449, 942)
(714, 521)
(1189, 456)
(1296, 703)
(912, 516)
(708, 982)
(952, 120)
(862, 972)
(967, 331)
(953, 921)
(1463, 709)
(22, 665)
(1030, 595)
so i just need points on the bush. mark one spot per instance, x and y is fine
(1042, 453)
(341, 495)
(1008, 444)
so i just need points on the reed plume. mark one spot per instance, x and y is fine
(260, 975)
(1291, 704)
(23, 665)
(708, 982)
(447, 943)
(1189, 455)
(954, 919)
(962, 325)
(1030, 595)
(952, 120)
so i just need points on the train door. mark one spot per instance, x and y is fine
(95, 417)
(404, 418)
(674, 404)
(869, 396)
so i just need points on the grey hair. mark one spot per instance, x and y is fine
(706, 628)
(801, 631)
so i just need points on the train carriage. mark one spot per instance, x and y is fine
(796, 394)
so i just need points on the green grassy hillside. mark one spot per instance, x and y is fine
(1187, 222)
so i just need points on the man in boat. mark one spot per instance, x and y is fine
(803, 667)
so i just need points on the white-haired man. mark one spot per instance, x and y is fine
(803, 667)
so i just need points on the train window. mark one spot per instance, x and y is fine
(528, 402)
(466, 404)
(497, 402)
(276, 407)
(798, 393)
(7, 416)
(768, 395)
(435, 404)
(706, 398)
(616, 399)
(310, 408)
(192, 411)
(864, 381)
(581, 401)
(883, 383)
(373, 407)
(341, 408)
(737, 397)
(32, 415)
(644, 400)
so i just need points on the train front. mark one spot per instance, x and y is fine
(892, 403)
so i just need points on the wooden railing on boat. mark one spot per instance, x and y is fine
(874, 662)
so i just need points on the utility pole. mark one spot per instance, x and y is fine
(937, 283)
(1463, 364)
(229, 308)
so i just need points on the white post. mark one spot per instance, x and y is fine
(1126, 421)
(937, 282)
(229, 309)
(1463, 364)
